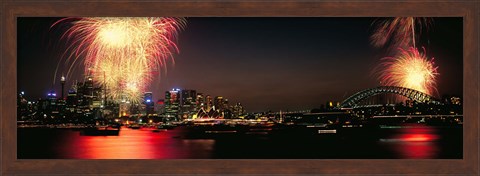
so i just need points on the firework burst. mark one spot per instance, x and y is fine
(398, 32)
(410, 69)
(122, 54)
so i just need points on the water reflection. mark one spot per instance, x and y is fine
(414, 143)
(136, 144)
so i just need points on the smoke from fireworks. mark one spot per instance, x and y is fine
(410, 69)
(122, 53)
(398, 32)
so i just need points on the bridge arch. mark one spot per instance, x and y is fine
(406, 92)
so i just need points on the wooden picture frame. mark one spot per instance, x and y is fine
(10, 10)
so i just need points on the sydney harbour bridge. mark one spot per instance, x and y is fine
(411, 94)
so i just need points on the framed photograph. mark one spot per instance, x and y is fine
(240, 88)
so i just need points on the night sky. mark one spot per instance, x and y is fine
(264, 63)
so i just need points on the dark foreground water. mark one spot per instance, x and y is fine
(412, 143)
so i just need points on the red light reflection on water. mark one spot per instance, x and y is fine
(135, 144)
(418, 137)
(414, 143)
(419, 134)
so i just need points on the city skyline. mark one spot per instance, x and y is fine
(264, 63)
(239, 88)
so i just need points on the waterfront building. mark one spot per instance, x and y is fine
(200, 102)
(219, 103)
(160, 106)
(62, 82)
(72, 101)
(149, 104)
(237, 110)
(208, 102)
(172, 103)
(22, 106)
(188, 105)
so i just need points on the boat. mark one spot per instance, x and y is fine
(100, 131)
(158, 130)
(164, 127)
(167, 125)
(135, 126)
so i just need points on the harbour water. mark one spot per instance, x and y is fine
(145, 143)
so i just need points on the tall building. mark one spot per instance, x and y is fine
(88, 87)
(22, 106)
(188, 105)
(149, 103)
(225, 104)
(160, 106)
(219, 103)
(71, 101)
(200, 102)
(87, 97)
(51, 104)
(208, 102)
(172, 103)
(238, 110)
(97, 100)
(62, 82)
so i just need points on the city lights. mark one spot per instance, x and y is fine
(242, 88)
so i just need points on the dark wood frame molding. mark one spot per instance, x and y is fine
(10, 10)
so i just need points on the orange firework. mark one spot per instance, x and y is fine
(410, 69)
(122, 53)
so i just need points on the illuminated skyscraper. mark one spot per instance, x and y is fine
(238, 110)
(72, 101)
(160, 106)
(200, 101)
(219, 103)
(208, 102)
(149, 104)
(187, 102)
(62, 81)
(172, 103)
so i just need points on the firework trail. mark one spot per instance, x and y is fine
(398, 32)
(122, 53)
(410, 69)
